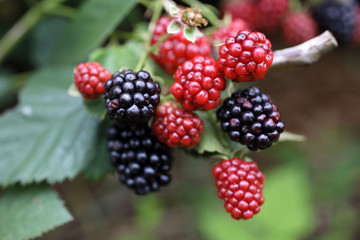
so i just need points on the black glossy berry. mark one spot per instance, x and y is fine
(250, 118)
(337, 17)
(140, 159)
(131, 97)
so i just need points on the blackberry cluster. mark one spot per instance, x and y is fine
(240, 185)
(249, 117)
(131, 97)
(140, 159)
(337, 17)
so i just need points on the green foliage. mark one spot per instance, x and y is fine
(286, 213)
(29, 212)
(49, 136)
(95, 21)
(115, 57)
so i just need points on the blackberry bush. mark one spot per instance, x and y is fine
(143, 163)
(249, 117)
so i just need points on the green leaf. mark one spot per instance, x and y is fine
(29, 212)
(171, 8)
(49, 136)
(191, 33)
(115, 57)
(286, 213)
(174, 27)
(211, 141)
(44, 38)
(96, 108)
(95, 21)
(99, 165)
(9, 86)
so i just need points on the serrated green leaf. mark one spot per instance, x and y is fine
(49, 136)
(29, 212)
(95, 21)
(115, 57)
(286, 213)
(174, 27)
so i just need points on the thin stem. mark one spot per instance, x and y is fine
(305, 53)
(160, 41)
(23, 26)
(156, 15)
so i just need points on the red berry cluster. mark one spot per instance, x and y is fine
(245, 57)
(240, 185)
(176, 127)
(176, 49)
(198, 83)
(90, 78)
(299, 27)
(220, 35)
(264, 15)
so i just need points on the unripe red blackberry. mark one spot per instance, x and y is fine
(246, 9)
(142, 162)
(198, 84)
(240, 185)
(176, 127)
(220, 35)
(131, 97)
(250, 118)
(176, 49)
(89, 78)
(270, 14)
(245, 57)
(299, 27)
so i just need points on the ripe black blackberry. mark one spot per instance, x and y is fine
(131, 97)
(249, 117)
(337, 17)
(140, 159)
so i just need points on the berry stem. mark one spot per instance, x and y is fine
(24, 25)
(305, 53)
(154, 18)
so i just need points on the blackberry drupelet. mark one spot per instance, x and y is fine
(249, 117)
(141, 160)
(131, 96)
(337, 17)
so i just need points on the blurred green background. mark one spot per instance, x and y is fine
(311, 187)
